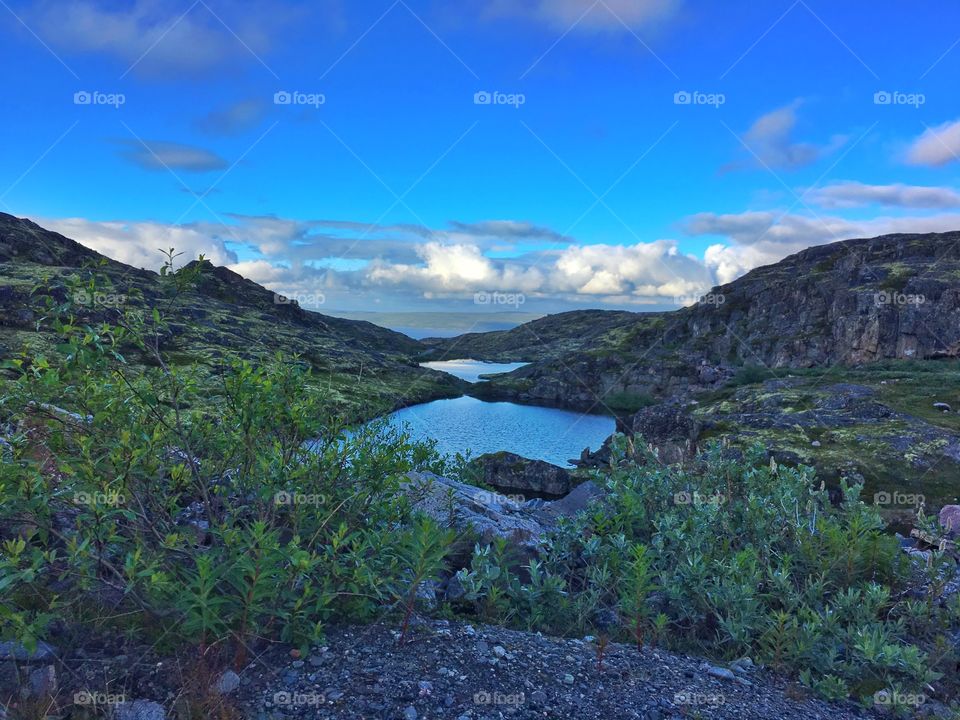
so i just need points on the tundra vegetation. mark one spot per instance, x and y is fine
(215, 517)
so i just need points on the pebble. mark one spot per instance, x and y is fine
(499, 651)
(722, 673)
(568, 679)
(227, 683)
(410, 713)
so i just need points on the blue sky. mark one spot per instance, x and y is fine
(387, 183)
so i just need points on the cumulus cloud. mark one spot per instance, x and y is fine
(854, 194)
(412, 264)
(937, 146)
(770, 142)
(160, 39)
(140, 243)
(160, 155)
(761, 238)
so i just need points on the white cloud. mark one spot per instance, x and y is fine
(762, 238)
(159, 155)
(854, 194)
(937, 146)
(410, 265)
(140, 243)
(770, 142)
(588, 15)
(163, 40)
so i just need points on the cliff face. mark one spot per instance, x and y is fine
(895, 297)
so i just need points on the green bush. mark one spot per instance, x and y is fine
(202, 516)
(732, 558)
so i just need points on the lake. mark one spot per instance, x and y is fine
(468, 424)
(471, 370)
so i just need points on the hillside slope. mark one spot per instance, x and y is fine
(366, 369)
(895, 297)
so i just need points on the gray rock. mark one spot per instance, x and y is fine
(15, 651)
(499, 651)
(454, 504)
(567, 679)
(942, 406)
(410, 713)
(950, 521)
(454, 589)
(722, 673)
(139, 710)
(227, 683)
(514, 474)
(43, 682)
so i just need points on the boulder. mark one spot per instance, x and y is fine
(573, 504)
(950, 521)
(463, 507)
(514, 474)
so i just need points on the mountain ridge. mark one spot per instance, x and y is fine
(368, 370)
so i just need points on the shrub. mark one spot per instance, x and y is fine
(222, 511)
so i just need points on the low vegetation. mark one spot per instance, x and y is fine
(216, 521)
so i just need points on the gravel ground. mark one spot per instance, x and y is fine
(464, 672)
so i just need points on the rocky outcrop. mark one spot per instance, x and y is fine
(516, 475)
(466, 508)
(843, 429)
(851, 302)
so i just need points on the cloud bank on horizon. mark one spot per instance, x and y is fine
(412, 155)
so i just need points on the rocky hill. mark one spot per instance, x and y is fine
(365, 368)
(895, 297)
(842, 356)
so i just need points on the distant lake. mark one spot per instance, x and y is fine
(471, 370)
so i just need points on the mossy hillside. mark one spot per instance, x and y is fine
(364, 369)
(892, 437)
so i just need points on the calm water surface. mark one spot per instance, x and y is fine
(468, 424)
(471, 370)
